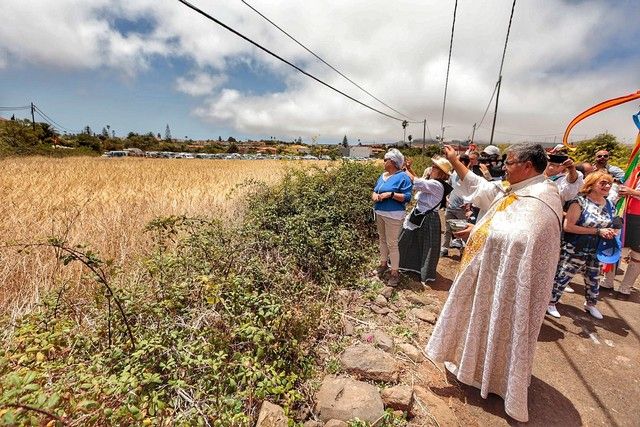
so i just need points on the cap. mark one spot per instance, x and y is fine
(609, 250)
(492, 150)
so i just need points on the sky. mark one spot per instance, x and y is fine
(140, 65)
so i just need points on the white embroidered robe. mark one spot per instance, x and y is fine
(489, 325)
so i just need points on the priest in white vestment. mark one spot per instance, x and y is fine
(488, 328)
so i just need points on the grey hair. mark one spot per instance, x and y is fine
(531, 152)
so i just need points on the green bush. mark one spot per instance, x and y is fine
(223, 317)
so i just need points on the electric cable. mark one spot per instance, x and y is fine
(206, 15)
(58, 125)
(327, 64)
(446, 81)
(488, 105)
(26, 107)
(504, 53)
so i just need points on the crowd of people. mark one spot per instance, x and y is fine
(526, 222)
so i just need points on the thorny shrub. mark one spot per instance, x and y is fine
(223, 317)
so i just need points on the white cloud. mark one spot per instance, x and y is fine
(563, 57)
(199, 84)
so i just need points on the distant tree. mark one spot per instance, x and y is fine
(618, 153)
(231, 139)
(104, 133)
(233, 148)
(219, 139)
(345, 143)
(159, 136)
(87, 130)
(13, 117)
(167, 133)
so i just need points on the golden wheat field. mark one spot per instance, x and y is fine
(104, 203)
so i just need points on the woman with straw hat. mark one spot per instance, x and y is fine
(420, 239)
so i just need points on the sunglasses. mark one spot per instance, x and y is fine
(602, 156)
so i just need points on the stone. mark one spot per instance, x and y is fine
(421, 299)
(412, 352)
(335, 423)
(380, 310)
(393, 317)
(312, 423)
(425, 315)
(436, 407)
(379, 339)
(386, 292)
(343, 399)
(271, 416)
(398, 398)
(380, 301)
(347, 327)
(364, 361)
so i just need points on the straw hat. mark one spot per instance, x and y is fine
(442, 164)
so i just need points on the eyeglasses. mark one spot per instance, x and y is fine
(512, 162)
(602, 156)
(605, 184)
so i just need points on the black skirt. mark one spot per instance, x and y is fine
(420, 248)
(632, 232)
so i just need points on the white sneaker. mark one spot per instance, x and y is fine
(568, 289)
(592, 310)
(553, 311)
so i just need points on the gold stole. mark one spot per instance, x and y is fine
(479, 237)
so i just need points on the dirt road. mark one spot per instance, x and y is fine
(586, 371)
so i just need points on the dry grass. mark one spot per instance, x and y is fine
(104, 203)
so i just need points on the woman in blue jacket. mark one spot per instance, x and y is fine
(391, 194)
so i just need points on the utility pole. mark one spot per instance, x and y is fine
(473, 134)
(424, 134)
(33, 118)
(495, 112)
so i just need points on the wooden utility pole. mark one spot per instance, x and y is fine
(495, 112)
(424, 134)
(33, 119)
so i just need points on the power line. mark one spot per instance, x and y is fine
(26, 107)
(504, 53)
(446, 81)
(206, 15)
(326, 63)
(488, 105)
(58, 125)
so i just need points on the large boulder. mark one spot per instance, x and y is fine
(343, 399)
(271, 416)
(367, 362)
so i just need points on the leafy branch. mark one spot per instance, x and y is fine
(91, 261)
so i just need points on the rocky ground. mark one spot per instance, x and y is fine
(586, 371)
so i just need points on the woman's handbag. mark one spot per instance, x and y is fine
(416, 217)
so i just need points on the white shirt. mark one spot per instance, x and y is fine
(429, 195)
(568, 190)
